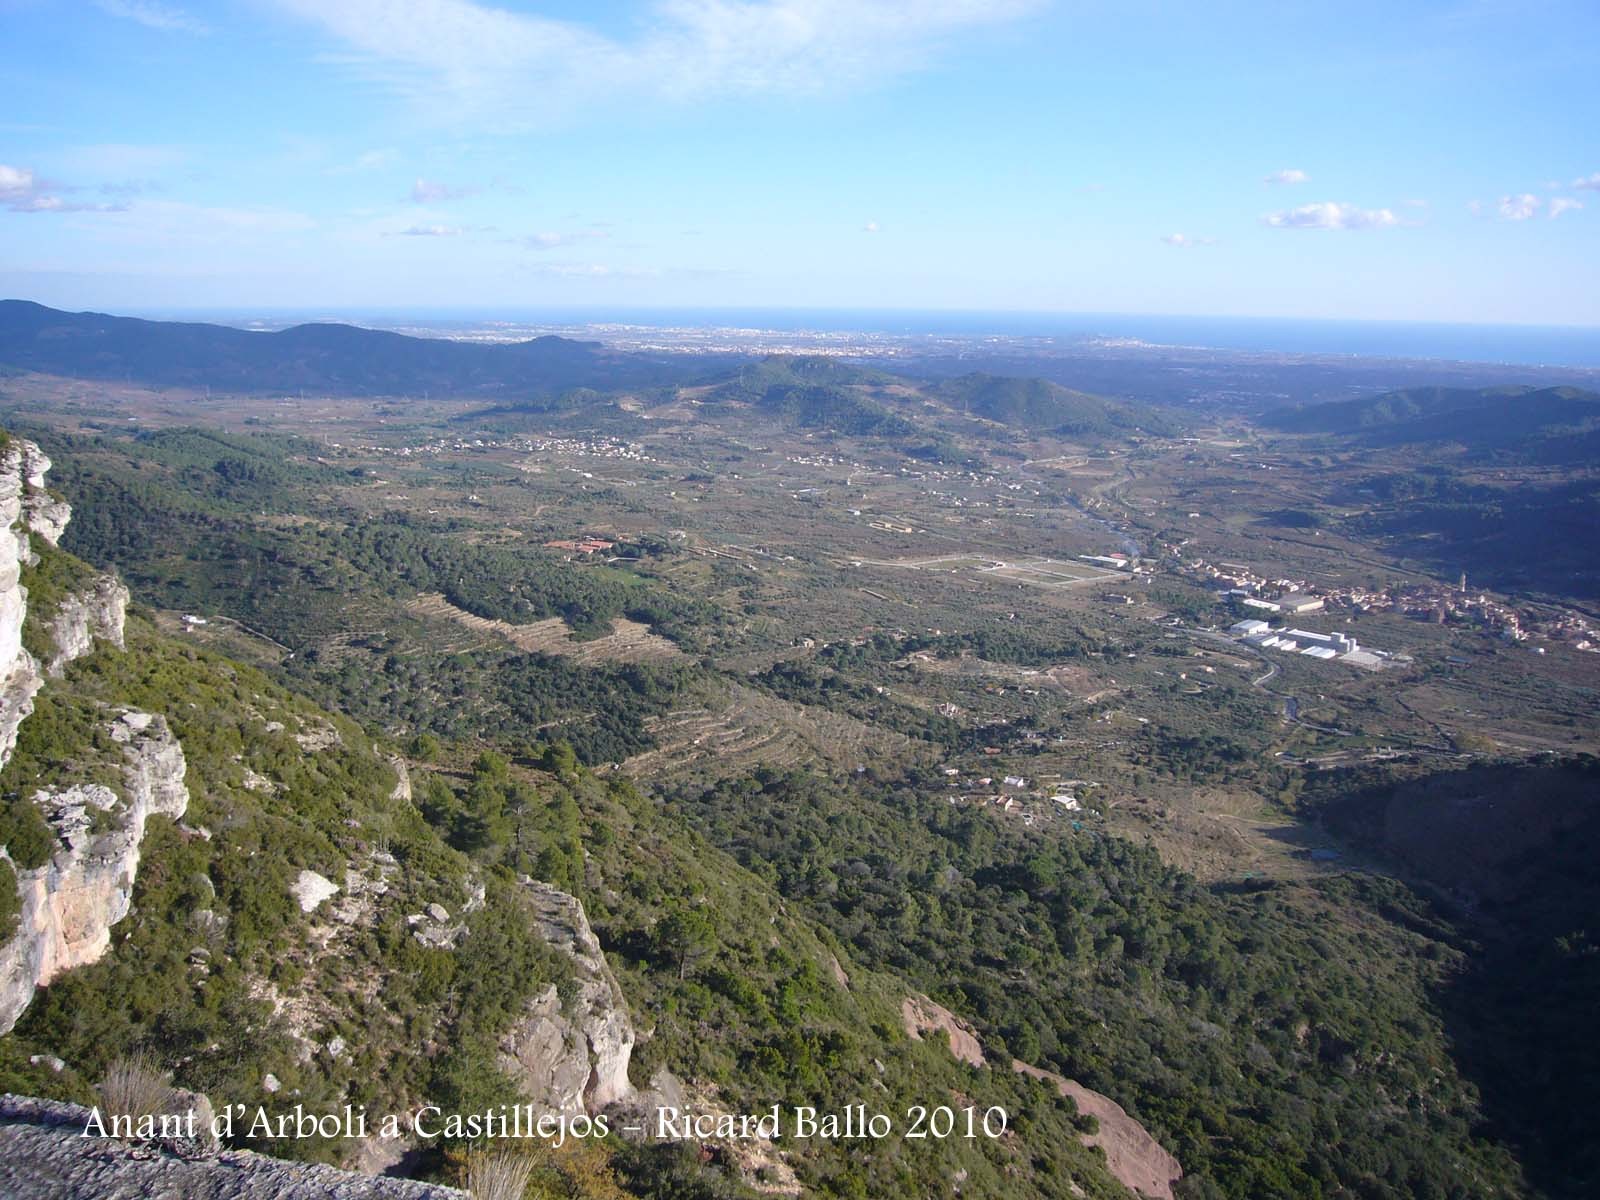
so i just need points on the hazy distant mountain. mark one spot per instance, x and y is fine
(1040, 406)
(1558, 424)
(339, 359)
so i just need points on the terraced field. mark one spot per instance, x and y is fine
(629, 641)
(757, 729)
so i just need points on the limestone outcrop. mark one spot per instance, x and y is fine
(571, 1057)
(70, 904)
(26, 509)
(19, 673)
(100, 611)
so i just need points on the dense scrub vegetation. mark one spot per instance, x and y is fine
(198, 973)
(1279, 1042)
(178, 513)
(1521, 1016)
(740, 991)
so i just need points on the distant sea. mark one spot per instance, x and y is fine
(1523, 345)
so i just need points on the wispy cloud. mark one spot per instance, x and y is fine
(551, 241)
(1185, 241)
(1288, 175)
(872, 227)
(151, 15)
(581, 270)
(461, 59)
(1588, 182)
(1332, 214)
(429, 231)
(431, 191)
(23, 191)
(1561, 204)
(1518, 208)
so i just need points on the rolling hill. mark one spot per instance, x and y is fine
(332, 358)
(1040, 406)
(1552, 425)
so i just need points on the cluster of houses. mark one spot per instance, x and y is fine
(1014, 794)
(583, 545)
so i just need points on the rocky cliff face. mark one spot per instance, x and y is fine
(571, 1057)
(19, 673)
(27, 509)
(70, 904)
(100, 611)
(46, 515)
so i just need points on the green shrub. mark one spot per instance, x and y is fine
(25, 834)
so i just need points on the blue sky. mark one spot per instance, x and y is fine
(1413, 161)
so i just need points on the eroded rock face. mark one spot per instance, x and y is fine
(19, 673)
(571, 1057)
(26, 508)
(921, 1015)
(1134, 1158)
(47, 515)
(99, 612)
(70, 904)
(310, 889)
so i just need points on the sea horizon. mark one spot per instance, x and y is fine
(1572, 346)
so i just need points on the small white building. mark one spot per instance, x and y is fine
(1247, 627)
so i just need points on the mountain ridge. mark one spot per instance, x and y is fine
(324, 356)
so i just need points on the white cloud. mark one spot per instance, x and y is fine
(1588, 182)
(1184, 241)
(1561, 204)
(872, 227)
(431, 191)
(430, 231)
(151, 15)
(1288, 175)
(1519, 208)
(550, 241)
(1332, 214)
(577, 270)
(463, 59)
(15, 180)
(23, 191)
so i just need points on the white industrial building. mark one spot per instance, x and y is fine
(1299, 602)
(1247, 627)
(1340, 642)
